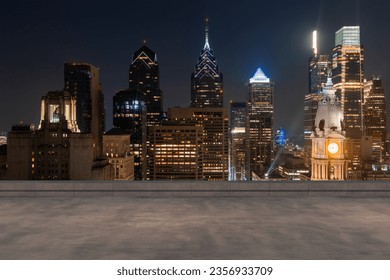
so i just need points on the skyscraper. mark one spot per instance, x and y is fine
(129, 114)
(318, 72)
(82, 82)
(261, 120)
(348, 77)
(238, 142)
(206, 80)
(144, 77)
(374, 109)
(318, 68)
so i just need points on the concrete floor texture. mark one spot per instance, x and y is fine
(194, 228)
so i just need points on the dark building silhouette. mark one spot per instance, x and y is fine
(374, 110)
(129, 114)
(206, 80)
(144, 77)
(82, 82)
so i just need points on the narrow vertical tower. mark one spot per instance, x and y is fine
(206, 80)
(144, 79)
(328, 161)
(318, 66)
(348, 79)
(260, 122)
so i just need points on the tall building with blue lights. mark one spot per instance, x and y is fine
(260, 125)
(129, 114)
(206, 80)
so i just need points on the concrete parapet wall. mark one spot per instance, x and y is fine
(194, 188)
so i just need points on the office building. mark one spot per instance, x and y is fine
(260, 124)
(117, 148)
(144, 78)
(215, 145)
(348, 79)
(56, 151)
(129, 114)
(374, 111)
(238, 142)
(176, 152)
(206, 80)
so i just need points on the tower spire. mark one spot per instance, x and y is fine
(206, 32)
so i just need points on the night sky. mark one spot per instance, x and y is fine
(37, 37)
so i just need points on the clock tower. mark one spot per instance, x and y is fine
(328, 159)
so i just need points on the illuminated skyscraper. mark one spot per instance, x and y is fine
(144, 77)
(238, 142)
(261, 120)
(348, 78)
(206, 80)
(129, 114)
(318, 72)
(374, 110)
(215, 145)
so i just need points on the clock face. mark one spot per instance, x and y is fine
(333, 148)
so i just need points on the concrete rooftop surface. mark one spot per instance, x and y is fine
(194, 228)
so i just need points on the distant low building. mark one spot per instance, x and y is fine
(117, 148)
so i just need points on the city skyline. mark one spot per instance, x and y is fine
(241, 46)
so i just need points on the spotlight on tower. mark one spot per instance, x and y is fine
(315, 42)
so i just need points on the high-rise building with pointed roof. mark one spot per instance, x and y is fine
(206, 80)
(144, 77)
(261, 119)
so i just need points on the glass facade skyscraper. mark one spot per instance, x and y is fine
(206, 80)
(348, 79)
(238, 142)
(129, 114)
(144, 77)
(82, 82)
(261, 121)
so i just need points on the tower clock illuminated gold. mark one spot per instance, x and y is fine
(333, 147)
